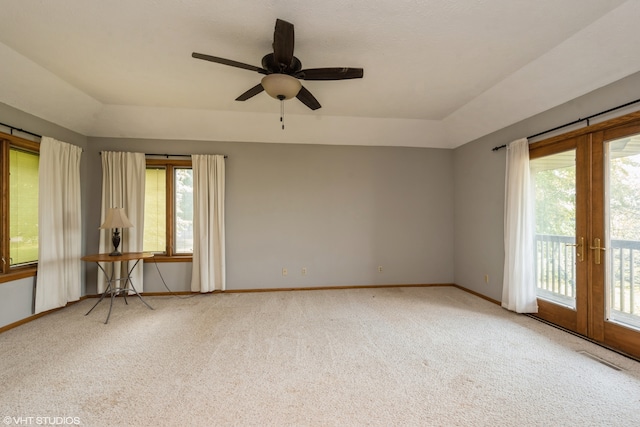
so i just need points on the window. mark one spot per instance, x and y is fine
(168, 210)
(19, 178)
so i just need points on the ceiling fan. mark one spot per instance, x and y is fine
(283, 71)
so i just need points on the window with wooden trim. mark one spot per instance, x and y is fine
(168, 210)
(19, 160)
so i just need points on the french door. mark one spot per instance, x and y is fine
(587, 190)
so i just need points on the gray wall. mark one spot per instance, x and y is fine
(16, 298)
(478, 175)
(339, 211)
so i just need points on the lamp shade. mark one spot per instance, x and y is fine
(116, 218)
(281, 86)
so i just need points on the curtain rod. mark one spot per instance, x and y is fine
(164, 155)
(173, 155)
(574, 122)
(12, 128)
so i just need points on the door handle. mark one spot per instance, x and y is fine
(579, 249)
(596, 246)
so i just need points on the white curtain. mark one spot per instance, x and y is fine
(123, 180)
(519, 289)
(208, 273)
(59, 225)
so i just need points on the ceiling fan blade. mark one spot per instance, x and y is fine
(250, 93)
(283, 42)
(229, 62)
(330, 73)
(307, 99)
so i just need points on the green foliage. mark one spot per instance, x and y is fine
(184, 210)
(555, 198)
(555, 192)
(624, 198)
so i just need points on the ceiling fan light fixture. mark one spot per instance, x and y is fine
(281, 86)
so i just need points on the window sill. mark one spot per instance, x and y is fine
(18, 273)
(165, 258)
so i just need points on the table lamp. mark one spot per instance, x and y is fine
(116, 219)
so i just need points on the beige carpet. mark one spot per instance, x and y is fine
(395, 356)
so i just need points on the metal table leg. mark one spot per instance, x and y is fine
(130, 282)
(113, 290)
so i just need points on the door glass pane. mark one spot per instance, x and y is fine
(155, 211)
(184, 210)
(622, 212)
(23, 207)
(554, 181)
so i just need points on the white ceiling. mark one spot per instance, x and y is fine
(437, 73)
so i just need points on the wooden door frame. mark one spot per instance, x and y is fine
(590, 191)
(574, 320)
(607, 332)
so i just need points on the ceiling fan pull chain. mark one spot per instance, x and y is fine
(282, 113)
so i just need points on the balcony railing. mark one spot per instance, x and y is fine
(556, 273)
(624, 277)
(555, 267)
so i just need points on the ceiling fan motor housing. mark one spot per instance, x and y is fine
(269, 63)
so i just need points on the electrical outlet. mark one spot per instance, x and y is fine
(304, 271)
(379, 269)
(284, 272)
(486, 278)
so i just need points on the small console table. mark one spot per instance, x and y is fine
(112, 289)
